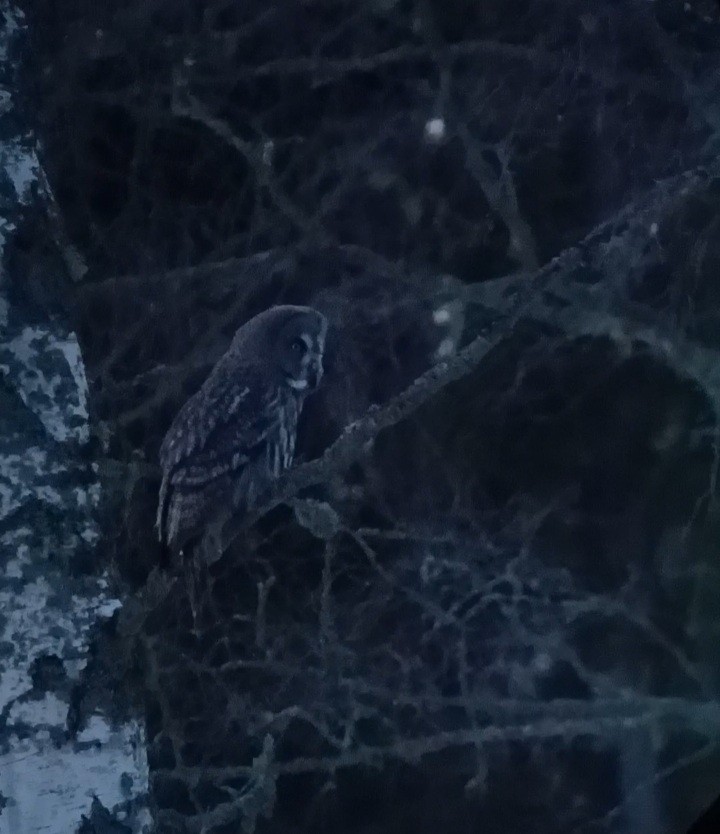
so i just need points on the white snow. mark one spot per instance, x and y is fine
(49, 788)
(24, 477)
(48, 710)
(445, 348)
(19, 162)
(435, 129)
(40, 392)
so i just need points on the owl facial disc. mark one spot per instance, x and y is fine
(301, 344)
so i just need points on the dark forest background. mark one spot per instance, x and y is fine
(501, 613)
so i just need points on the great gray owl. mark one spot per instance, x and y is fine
(237, 433)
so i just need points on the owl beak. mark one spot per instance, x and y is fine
(315, 373)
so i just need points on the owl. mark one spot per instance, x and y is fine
(236, 435)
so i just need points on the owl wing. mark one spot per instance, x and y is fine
(217, 431)
(226, 397)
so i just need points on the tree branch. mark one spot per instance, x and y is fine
(351, 444)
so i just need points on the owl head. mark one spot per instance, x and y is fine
(293, 340)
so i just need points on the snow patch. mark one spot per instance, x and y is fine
(25, 476)
(445, 348)
(49, 789)
(24, 358)
(435, 129)
(17, 161)
(49, 710)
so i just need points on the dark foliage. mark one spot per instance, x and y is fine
(500, 614)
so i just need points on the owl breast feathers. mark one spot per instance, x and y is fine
(237, 433)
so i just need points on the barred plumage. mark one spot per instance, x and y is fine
(237, 433)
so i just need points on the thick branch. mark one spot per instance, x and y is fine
(351, 444)
(514, 296)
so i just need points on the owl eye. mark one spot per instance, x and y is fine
(298, 346)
